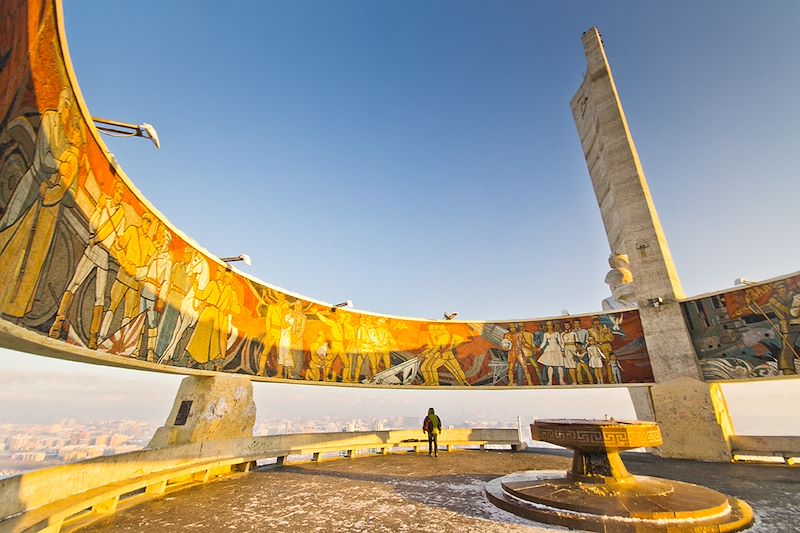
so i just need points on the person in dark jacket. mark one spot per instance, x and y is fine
(432, 426)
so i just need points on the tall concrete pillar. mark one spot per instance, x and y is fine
(692, 422)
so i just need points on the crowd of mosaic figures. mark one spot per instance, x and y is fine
(562, 352)
(132, 287)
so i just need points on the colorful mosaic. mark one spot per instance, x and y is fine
(751, 332)
(85, 260)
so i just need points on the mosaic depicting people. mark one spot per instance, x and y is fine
(28, 225)
(133, 248)
(552, 357)
(382, 341)
(614, 369)
(274, 314)
(291, 340)
(364, 347)
(155, 277)
(599, 347)
(582, 336)
(569, 345)
(319, 355)
(106, 224)
(187, 282)
(516, 355)
(440, 353)
(228, 306)
(339, 333)
(208, 342)
(528, 347)
(786, 309)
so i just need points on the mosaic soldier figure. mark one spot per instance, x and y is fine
(364, 348)
(228, 306)
(179, 286)
(338, 331)
(28, 225)
(205, 344)
(319, 356)
(383, 341)
(198, 277)
(134, 250)
(516, 355)
(107, 223)
(441, 353)
(528, 347)
(156, 277)
(296, 336)
(273, 324)
(584, 374)
(599, 349)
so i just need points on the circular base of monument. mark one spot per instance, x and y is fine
(641, 503)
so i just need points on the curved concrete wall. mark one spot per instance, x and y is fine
(88, 261)
(748, 332)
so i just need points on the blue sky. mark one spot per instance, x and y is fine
(421, 156)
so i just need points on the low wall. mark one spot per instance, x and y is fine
(34, 490)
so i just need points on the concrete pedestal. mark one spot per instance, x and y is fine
(208, 408)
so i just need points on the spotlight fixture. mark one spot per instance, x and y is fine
(450, 316)
(123, 129)
(244, 258)
(345, 304)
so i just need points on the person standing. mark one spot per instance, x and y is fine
(432, 426)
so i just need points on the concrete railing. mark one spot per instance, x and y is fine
(71, 496)
(753, 448)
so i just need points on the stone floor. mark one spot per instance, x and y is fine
(407, 492)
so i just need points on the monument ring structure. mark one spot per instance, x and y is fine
(93, 272)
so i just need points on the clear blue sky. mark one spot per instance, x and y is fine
(420, 156)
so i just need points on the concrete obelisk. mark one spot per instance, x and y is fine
(692, 413)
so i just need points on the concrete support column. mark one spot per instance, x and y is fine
(681, 401)
(208, 408)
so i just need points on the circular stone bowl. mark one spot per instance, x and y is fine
(597, 435)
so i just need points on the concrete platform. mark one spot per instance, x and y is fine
(408, 492)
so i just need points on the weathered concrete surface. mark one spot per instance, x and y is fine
(416, 493)
(222, 407)
(694, 420)
(398, 492)
(633, 227)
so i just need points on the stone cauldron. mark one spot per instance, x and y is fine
(597, 444)
(599, 494)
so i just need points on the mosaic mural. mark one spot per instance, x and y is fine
(752, 332)
(85, 260)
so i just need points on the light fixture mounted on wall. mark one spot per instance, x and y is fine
(123, 129)
(347, 304)
(244, 258)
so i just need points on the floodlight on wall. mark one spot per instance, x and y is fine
(123, 129)
(244, 258)
(450, 316)
(564, 312)
(347, 304)
(742, 281)
(656, 302)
